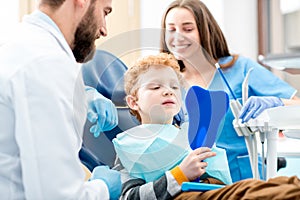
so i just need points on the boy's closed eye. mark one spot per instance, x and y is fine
(175, 87)
(153, 86)
(156, 87)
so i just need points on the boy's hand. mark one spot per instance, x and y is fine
(193, 166)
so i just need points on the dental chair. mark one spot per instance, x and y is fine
(105, 73)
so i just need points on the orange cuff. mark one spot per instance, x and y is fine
(88, 173)
(179, 175)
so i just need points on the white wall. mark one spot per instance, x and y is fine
(9, 17)
(240, 27)
(237, 19)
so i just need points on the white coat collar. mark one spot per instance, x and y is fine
(42, 20)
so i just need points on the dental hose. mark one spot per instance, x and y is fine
(262, 135)
(224, 79)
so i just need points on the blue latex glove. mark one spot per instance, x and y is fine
(256, 105)
(112, 179)
(102, 111)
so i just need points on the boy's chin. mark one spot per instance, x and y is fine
(161, 120)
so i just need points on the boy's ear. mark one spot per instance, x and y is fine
(131, 102)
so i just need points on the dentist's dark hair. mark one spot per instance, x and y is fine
(52, 3)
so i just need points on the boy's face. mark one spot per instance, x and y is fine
(159, 95)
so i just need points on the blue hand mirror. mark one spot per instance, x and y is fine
(206, 110)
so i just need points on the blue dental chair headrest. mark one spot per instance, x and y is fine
(105, 73)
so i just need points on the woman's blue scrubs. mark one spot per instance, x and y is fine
(262, 82)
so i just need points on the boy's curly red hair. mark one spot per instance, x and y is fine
(141, 66)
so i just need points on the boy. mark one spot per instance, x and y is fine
(153, 88)
(155, 158)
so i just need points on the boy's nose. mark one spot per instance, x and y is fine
(168, 92)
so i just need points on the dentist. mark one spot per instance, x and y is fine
(42, 104)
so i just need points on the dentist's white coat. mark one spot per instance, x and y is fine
(42, 114)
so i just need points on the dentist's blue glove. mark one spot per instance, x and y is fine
(112, 179)
(256, 105)
(100, 110)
